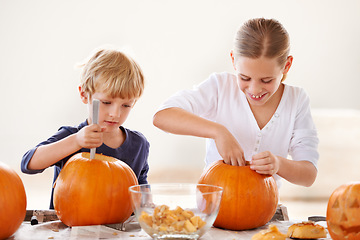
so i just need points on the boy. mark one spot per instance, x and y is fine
(117, 82)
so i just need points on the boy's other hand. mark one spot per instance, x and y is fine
(90, 136)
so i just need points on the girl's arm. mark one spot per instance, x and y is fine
(303, 148)
(298, 172)
(179, 121)
(47, 155)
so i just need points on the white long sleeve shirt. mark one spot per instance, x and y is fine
(290, 131)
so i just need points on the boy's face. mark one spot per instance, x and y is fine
(112, 111)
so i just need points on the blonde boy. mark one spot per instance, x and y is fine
(117, 82)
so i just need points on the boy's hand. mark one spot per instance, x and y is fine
(265, 163)
(229, 149)
(90, 136)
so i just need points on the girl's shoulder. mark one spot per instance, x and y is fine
(222, 79)
(216, 82)
(295, 92)
(295, 98)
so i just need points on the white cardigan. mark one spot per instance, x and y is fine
(291, 130)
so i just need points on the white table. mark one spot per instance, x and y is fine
(57, 230)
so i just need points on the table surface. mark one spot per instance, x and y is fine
(57, 230)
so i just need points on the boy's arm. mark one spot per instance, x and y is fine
(49, 154)
(178, 121)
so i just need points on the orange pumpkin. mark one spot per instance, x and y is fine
(12, 201)
(343, 212)
(93, 191)
(249, 199)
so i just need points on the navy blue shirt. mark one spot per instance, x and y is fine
(134, 152)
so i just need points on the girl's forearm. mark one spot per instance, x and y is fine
(47, 155)
(178, 121)
(298, 172)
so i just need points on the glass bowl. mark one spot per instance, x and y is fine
(175, 211)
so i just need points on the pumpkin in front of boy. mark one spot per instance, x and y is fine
(93, 191)
(343, 212)
(249, 199)
(12, 201)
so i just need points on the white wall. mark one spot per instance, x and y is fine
(177, 43)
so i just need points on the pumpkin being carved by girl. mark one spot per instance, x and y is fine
(249, 199)
(12, 201)
(93, 191)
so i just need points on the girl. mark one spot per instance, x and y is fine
(251, 115)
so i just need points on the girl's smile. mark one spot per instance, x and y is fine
(257, 97)
(259, 78)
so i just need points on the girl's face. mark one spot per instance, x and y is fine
(259, 78)
(112, 111)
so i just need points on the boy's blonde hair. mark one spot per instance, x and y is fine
(113, 72)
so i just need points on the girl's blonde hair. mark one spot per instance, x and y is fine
(113, 72)
(262, 37)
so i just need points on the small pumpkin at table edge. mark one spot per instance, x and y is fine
(12, 201)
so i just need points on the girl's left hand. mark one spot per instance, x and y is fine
(265, 163)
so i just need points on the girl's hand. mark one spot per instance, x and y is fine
(229, 149)
(90, 136)
(265, 163)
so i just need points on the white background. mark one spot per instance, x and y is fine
(177, 43)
